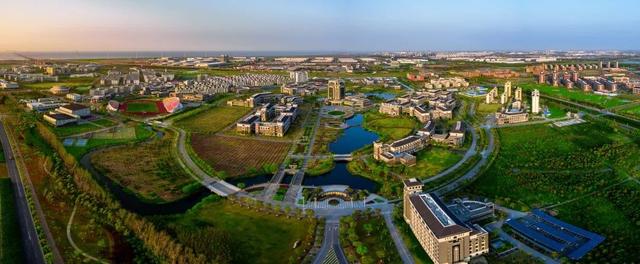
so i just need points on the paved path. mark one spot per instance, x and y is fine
(404, 253)
(331, 241)
(486, 154)
(470, 153)
(73, 243)
(214, 184)
(296, 182)
(33, 252)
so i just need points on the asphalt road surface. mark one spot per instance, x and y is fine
(32, 251)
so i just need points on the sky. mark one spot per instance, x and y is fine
(318, 25)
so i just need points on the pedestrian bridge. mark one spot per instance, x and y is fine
(342, 157)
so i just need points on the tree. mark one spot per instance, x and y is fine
(368, 227)
(362, 250)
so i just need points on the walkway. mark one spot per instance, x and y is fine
(404, 253)
(73, 243)
(296, 182)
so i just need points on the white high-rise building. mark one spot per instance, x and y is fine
(507, 89)
(299, 76)
(535, 101)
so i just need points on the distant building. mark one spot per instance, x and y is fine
(444, 237)
(75, 110)
(299, 76)
(58, 90)
(8, 85)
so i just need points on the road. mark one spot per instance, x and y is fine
(470, 153)
(30, 243)
(486, 154)
(214, 184)
(331, 241)
(404, 253)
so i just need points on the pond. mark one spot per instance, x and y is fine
(353, 138)
(382, 95)
(341, 176)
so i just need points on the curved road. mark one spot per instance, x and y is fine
(30, 243)
(470, 153)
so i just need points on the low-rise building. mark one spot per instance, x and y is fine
(59, 90)
(75, 110)
(59, 119)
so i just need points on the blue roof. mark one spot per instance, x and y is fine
(555, 235)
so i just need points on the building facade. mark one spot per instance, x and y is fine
(335, 90)
(441, 234)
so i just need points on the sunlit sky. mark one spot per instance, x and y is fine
(317, 25)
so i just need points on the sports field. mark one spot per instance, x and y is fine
(576, 95)
(141, 106)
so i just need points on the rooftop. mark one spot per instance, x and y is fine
(437, 216)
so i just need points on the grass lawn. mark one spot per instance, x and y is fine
(577, 95)
(541, 165)
(250, 236)
(484, 109)
(10, 246)
(68, 82)
(632, 111)
(388, 127)
(110, 138)
(212, 120)
(142, 107)
(431, 161)
(336, 113)
(72, 129)
(148, 169)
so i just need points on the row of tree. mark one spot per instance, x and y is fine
(78, 184)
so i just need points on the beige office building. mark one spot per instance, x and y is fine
(335, 90)
(441, 234)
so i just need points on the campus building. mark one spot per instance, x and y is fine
(444, 237)
(400, 151)
(336, 90)
(535, 101)
(67, 114)
(299, 76)
(270, 119)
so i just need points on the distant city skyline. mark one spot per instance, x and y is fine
(318, 26)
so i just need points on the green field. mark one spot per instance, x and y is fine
(213, 119)
(73, 83)
(336, 113)
(72, 129)
(633, 111)
(540, 166)
(576, 95)
(430, 162)
(142, 107)
(10, 246)
(223, 230)
(108, 138)
(388, 127)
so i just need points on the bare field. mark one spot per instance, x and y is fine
(238, 156)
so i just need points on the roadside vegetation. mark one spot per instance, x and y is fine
(577, 95)
(366, 239)
(10, 249)
(213, 119)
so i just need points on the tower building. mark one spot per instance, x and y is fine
(535, 101)
(335, 90)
